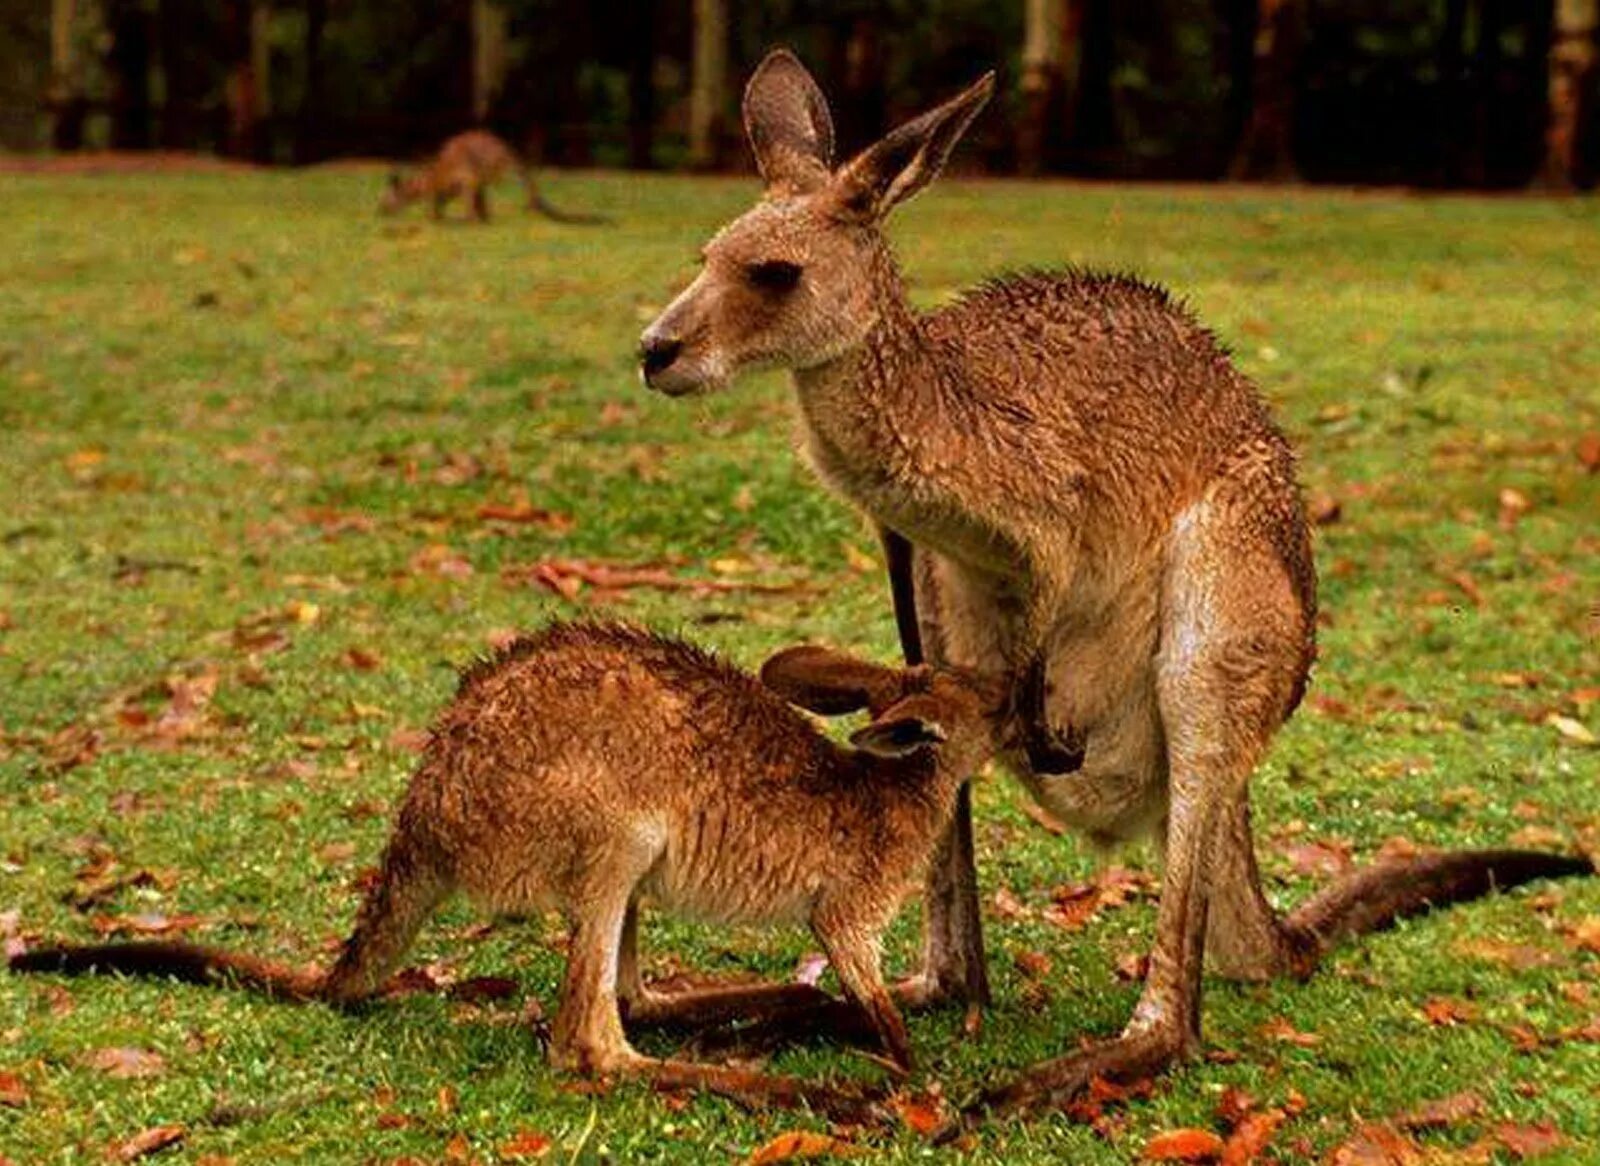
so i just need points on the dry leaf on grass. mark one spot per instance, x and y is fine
(148, 1142)
(526, 1144)
(1183, 1146)
(1442, 1111)
(1250, 1139)
(799, 1144)
(13, 1091)
(126, 1062)
(1529, 1141)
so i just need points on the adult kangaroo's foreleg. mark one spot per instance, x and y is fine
(953, 963)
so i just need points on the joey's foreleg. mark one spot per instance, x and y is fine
(953, 963)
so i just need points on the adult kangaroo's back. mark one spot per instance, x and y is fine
(1100, 507)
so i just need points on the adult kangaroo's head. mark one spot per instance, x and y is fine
(797, 280)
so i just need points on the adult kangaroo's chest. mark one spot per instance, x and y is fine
(919, 478)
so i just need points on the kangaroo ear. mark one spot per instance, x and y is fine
(787, 121)
(908, 157)
(829, 682)
(898, 736)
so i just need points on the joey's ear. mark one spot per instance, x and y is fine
(898, 736)
(829, 682)
(908, 157)
(787, 121)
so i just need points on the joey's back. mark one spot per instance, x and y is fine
(588, 738)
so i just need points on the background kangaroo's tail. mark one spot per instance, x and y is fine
(1374, 897)
(177, 961)
(537, 203)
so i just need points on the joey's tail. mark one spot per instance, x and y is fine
(187, 962)
(405, 894)
(1374, 897)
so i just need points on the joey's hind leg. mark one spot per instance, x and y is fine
(480, 204)
(701, 1006)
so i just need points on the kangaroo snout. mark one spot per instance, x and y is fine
(656, 355)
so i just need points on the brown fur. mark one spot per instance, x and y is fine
(466, 167)
(590, 765)
(1101, 508)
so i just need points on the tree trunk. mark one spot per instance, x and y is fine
(488, 56)
(642, 88)
(244, 88)
(1572, 66)
(1266, 150)
(1041, 84)
(709, 83)
(311, 134)
(129, 62)
(66, 99)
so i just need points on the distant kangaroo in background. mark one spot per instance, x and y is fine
(465, 167)
(591, 764)
(1100, 508)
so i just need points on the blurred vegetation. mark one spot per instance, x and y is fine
(1430, 92)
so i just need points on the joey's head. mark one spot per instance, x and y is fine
(958, 713)
(801, 278)
(400, 192)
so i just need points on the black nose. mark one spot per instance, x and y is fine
(658, 353)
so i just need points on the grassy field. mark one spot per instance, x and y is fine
(272, 468)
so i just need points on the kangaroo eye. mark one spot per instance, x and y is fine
(774, 275)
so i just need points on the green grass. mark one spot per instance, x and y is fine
(225, 395)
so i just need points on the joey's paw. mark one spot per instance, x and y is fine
(1051, 751)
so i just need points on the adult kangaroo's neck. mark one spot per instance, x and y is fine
(883, 408)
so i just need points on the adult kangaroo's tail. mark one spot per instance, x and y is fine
(1374, 897)
(408, 888)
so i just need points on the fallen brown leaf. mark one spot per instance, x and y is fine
(526, 1144)
(921, 1113)
(1319, 859)
(1008, 906)
(1233, 1106)
(1377, 1145)
(1279, 1029)
(1587, 448)
(148, 1142)
(797, 1144)
(1529, 1141)
(1442, 1111)
(13, 1092)
(126, 1062)
(1252, 1136)
(1183, 1146)
(569, 577)
(1445, 1012)
(523, 512)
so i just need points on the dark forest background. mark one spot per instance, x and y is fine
(1469, 93)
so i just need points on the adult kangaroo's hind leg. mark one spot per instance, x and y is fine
(1232, 657)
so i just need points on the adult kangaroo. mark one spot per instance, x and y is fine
(1100, 507)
